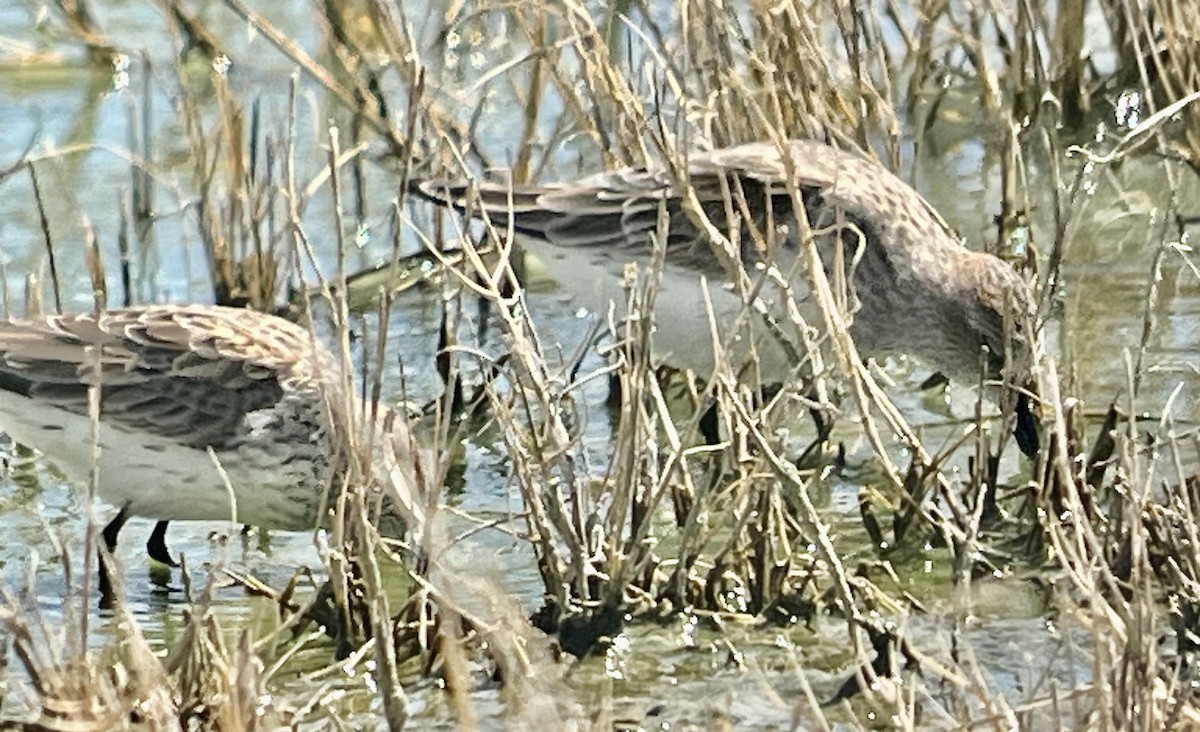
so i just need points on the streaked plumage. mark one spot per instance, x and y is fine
(918, 290)
(177, 381)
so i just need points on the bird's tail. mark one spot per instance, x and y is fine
(518, 205)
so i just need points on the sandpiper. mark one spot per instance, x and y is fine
(913, 287)
(178, 381)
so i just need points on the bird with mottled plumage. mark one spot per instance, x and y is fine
(913, 287)
(176, 382)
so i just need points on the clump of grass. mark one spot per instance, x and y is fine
(67, 682)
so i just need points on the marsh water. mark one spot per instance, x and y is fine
(660, 673)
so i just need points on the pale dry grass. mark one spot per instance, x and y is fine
(639, 86)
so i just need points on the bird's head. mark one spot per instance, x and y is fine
(999, 313)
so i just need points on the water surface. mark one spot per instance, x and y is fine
(658, 673)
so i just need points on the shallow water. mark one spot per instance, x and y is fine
(656, 675)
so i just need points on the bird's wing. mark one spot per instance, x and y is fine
(189, 374)
(624, 208)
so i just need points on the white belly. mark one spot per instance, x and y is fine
(685, 331)
(159, 478)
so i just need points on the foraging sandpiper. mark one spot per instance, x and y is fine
(176, 382)
(912, 287)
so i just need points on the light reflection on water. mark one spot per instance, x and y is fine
(1107, 273)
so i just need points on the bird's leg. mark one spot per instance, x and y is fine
(156, 546)
(824, 427)
(1026, 428)
(823, 424)
(110, 534)
(710, 425)
(820, 410)
(447, 367)
(814, 447)
(113, 529)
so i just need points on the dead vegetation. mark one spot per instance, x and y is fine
(1104, 518)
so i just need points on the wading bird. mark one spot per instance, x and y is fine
(911, 286)
(182, 385)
